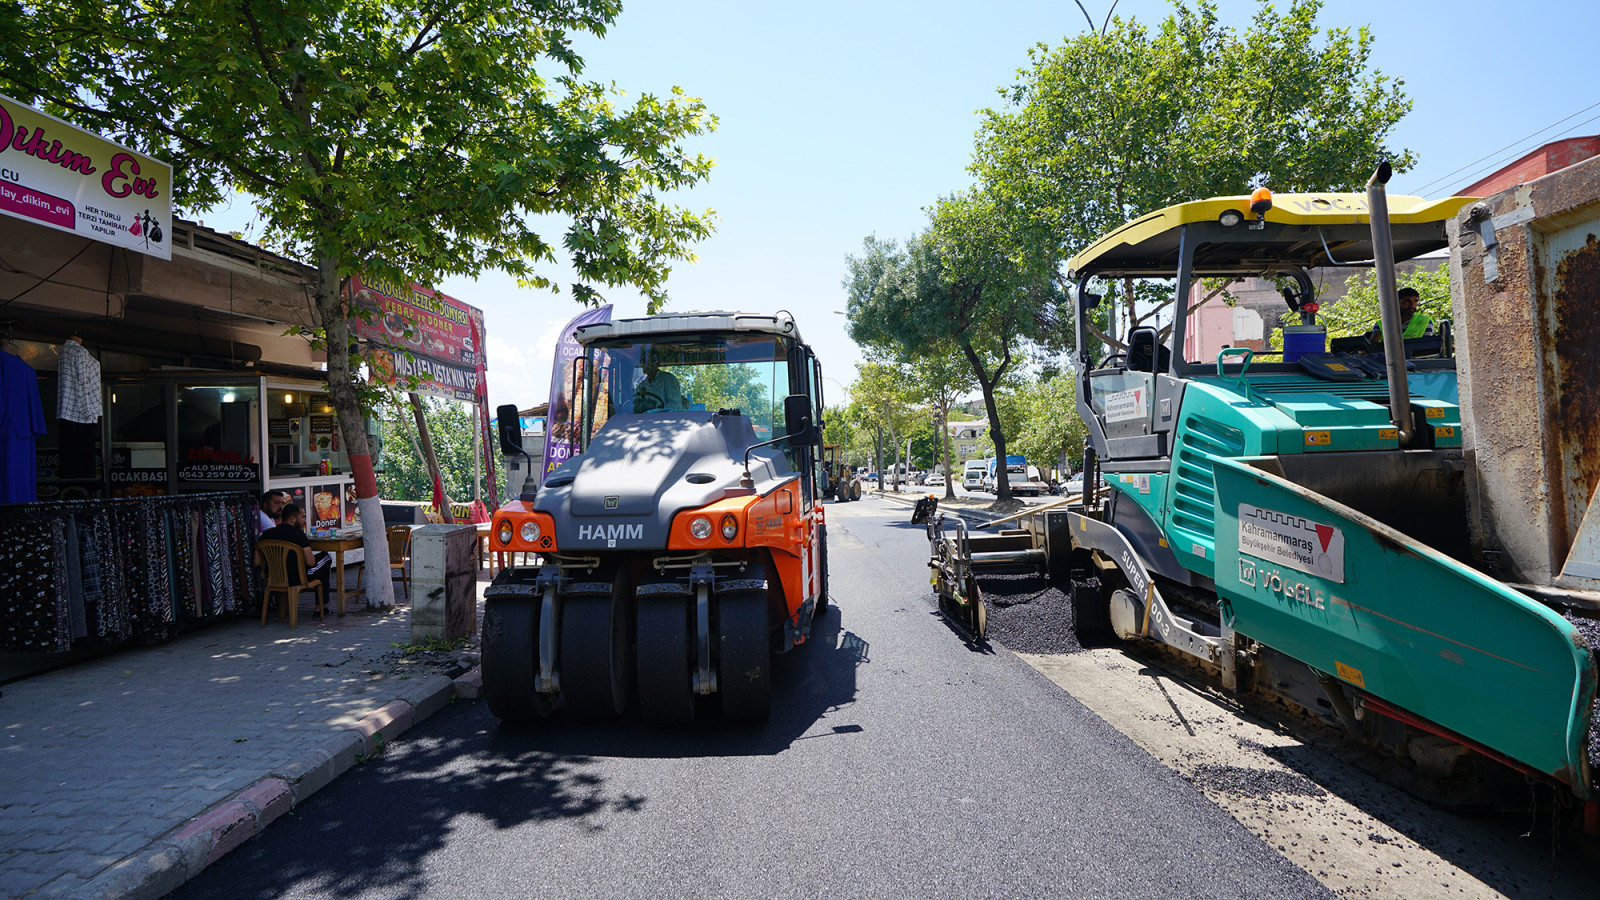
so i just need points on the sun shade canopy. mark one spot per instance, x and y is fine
(1300, 230)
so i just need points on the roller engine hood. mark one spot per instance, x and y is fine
(641, 469)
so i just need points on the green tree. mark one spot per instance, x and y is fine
(978, 282)
(1114, 124)
(404, 475)
(1046, 420)
(939, 380)
(404, 138)
(880, 388)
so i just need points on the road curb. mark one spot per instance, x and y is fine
(181, 853)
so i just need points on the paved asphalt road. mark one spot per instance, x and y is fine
(899, 762)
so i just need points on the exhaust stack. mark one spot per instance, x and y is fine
(1394, 345)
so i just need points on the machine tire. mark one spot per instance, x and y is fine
(595, 638)
(510, 660)
(664, 659)
(1091, 614)
(744, 657)
(977, 612)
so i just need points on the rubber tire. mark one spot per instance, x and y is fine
(509, 660)
(595, 669)
(1091, 614)
(744, 656)
(664, 659)
(977, 613)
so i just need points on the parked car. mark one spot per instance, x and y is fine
(934, 480)
(872, 476)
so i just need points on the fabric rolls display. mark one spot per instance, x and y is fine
(85, 573)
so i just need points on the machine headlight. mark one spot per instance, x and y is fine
(730, 527)
(504, 533)
(700, 528)
(530, 531)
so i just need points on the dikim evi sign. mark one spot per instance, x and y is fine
(62, 177)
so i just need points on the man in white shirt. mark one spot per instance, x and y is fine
(271, 509)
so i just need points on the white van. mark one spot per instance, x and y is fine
(972, 476)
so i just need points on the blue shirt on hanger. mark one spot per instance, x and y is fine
(21, 419)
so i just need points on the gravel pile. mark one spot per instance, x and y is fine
(1590, 628)
(1254, 782)
(1027, 614)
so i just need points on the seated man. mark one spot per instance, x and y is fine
(292, 529)
(659, 390)
(271, 508)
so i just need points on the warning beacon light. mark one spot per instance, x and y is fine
(1260, 202)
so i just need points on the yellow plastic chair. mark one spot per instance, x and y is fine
(400, 554)
(399, 557)
(279, 558)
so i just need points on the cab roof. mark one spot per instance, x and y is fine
(696, 323)
(1300, 230)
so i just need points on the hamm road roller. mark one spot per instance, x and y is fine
(682, 544)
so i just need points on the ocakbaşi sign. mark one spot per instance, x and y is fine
(62, 177)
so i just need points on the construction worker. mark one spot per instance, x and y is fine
(1416, 324)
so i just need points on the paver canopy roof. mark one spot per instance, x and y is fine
(1299, 230)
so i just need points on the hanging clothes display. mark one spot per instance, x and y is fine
(81, 573)
(21, 421)
(78, 408)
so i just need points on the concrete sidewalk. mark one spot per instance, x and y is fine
(126, 775)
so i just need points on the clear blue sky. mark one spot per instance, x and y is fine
(840, 120)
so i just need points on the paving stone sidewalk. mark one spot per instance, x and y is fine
(126, 775)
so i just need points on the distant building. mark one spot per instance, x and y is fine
(1552, 157)
(964, 439)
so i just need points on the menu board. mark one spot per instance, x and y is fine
(282, 429)
(322, 424)
(327, 510)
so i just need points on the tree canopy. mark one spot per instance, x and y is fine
(402, 138)
(1114, 124)
(978, 283)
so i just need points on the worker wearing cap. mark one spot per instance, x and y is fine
(1416, 324)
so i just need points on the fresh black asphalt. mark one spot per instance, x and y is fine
(900, 761)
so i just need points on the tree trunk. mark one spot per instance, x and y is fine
(949, 473)
(434, 476)
(352, 426)
(987, 382)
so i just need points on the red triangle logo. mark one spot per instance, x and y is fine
(1324, 534)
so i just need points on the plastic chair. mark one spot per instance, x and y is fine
(279, 558)
(400, 554)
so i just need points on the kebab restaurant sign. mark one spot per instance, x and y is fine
(63, 177)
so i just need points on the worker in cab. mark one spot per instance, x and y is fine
(659, 390)
(1416, 324)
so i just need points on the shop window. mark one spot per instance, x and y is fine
(303, 435)
(219, 428)
(138, 420)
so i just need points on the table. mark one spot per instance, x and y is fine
(337, 545)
